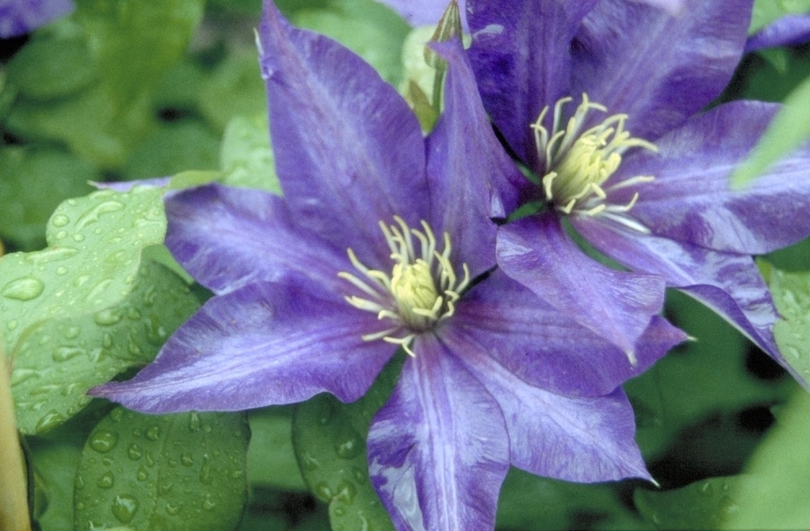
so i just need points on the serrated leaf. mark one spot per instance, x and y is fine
(774, 491)
(246, 157)
(91, 263)
(59, 360)
(329, 441)
(785, 133)
(168, 472)
(791, 293)
(706, 504)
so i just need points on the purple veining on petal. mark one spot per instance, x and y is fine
(438, 450)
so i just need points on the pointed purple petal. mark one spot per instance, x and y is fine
(471, 176)
(789, 30)
(658, 69)
(438, 450)
(21, 16)
(730, 284)
(691, 200)
(227, 238)
(423, 12)
(348, 150)
(546, 348)
(263, 344)
(616, 305)
(583, 439)
(521, 58)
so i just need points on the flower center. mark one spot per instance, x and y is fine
(578, 163)
(421, 290)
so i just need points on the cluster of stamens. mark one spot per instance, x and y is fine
(578, 163)
(421, 290)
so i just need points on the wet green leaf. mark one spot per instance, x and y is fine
(271, 453)
(57, 362)
(246, 156)
(32, 184)
(168, 472)
(91, 263)
(706, 504)
(791, 293)
(329, 441)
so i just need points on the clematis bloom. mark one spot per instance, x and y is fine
(383, 239)
(603, 100)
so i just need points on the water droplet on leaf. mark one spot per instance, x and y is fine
(142, 475)
(106, 481)
(103, 441)
(172, 509)
(23, 289)
(153, 433)
(92, 215)
(186, 459)
(124, 508)
(107, 317)
(66, 353)
(134, 452)
(49, 421)
(60, 220)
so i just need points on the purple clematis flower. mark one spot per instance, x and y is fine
(599, 99)
(383, 239)
(21, 16)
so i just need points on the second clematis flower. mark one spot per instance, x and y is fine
(602, 100)
(383, 239)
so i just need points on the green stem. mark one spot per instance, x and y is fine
(14, 499)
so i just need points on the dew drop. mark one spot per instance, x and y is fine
(78, 237)
(358, 474)
(66, 353)
(172, 509)
(49, 421)
(107, 340)
(61, 270)
(103, 441)
(149, 459)
(79, 482)
(340, 511)
(164, 489)
(124, 508)
(309, 462)
(194, 421)
(60, 220)
(707, 489)
(107, 317)
(116, 415)
(92, 215)
(12, 325)
(153, 433)
(142, 474)
(134, 313)
(236, 474)
(23, 289)
(208, 503)
(323, 491)
(186, 459)
(73, 332)
(61, 235)
(106, 481)
(134, 452)
(98, 290)
(794, 352)
(349, 448)
(205, 473)
(346, 491)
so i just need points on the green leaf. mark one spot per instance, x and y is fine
(532, 503)
(329, 441)
(58, 361)
(235, 88)
(91, 264)
(705, 504)
(169, 472)
(697, 380)
(32, 184)
(172, 148)
(774, 491)
(791, 293)
(246, 156)
(767, 11)
(271, 453)
(785, 133)
(368, 28)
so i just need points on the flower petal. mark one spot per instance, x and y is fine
(544, 347)
(691, 200)
(18, 17)
(788, 30)
(349, 152)
(267, 343)
(471, 176)
(658, 69)
(521, 58)
(438, 450)
(616, 305)
(574, 439)
(423, 12)
(227, 238)
(728, 283)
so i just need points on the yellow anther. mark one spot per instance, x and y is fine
(579, 163)
(421, 290)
